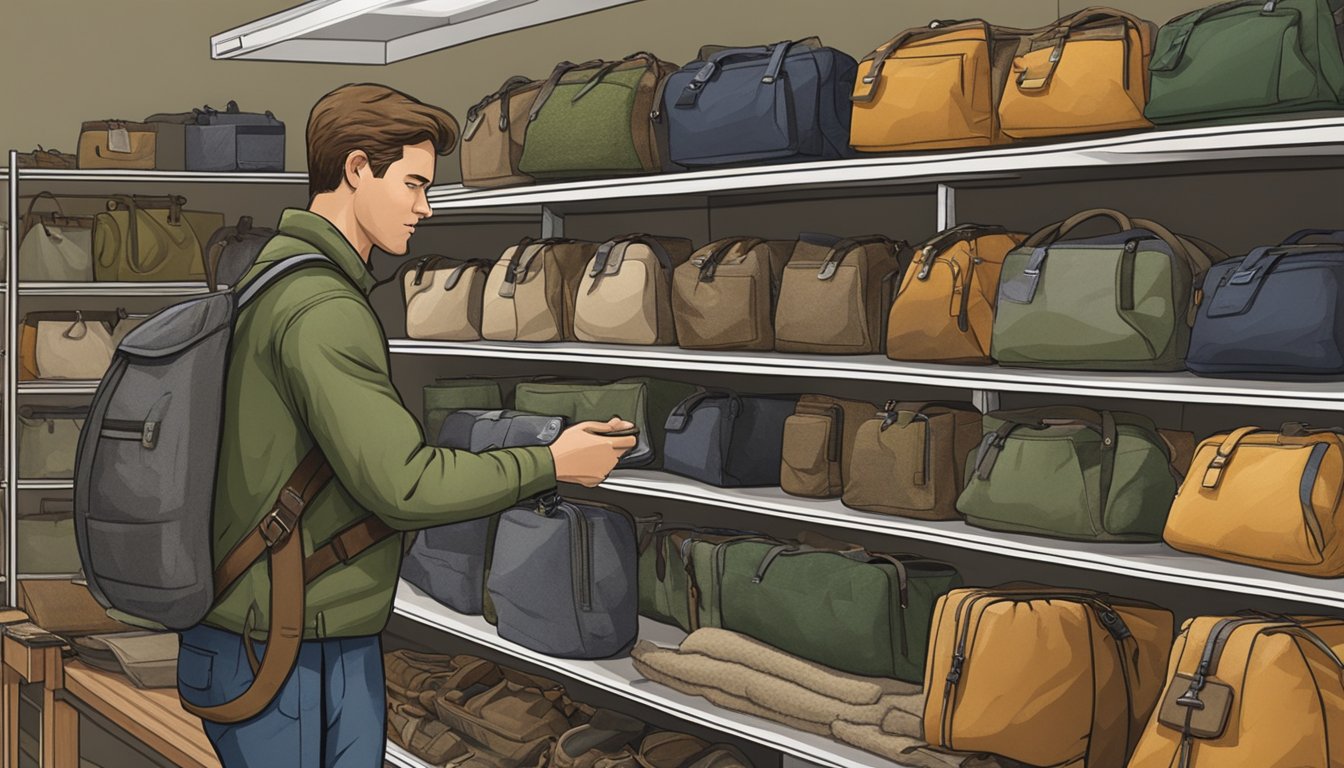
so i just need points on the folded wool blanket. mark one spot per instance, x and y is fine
(740, 673)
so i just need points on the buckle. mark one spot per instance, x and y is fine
(1219, 461)
(1243, 277)
(274, 528)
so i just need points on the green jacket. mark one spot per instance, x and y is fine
(310, 364)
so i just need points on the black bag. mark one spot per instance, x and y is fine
(231, 140)
(727, 440)
(233, 250)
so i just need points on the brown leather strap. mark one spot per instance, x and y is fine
(345, 546)
(274, 535)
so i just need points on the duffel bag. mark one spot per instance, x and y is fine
(1250, 690)
(595, 119)
(724, 296)
(447, 395)
(511, 724)
(1240, 59)
(443, 298)
(206, 139)
(1265, 498)
(492, 138)
(54, 246)
(836, 293)
(48, 437)
(665, 579)
(818, 445)
(944, 310)
(126, 145)
(625, 296)
(768, 103)
(1084, 73)
(1044, 675)
(1275, 313)
(910, 459)
(855, 611)
(231, 251)
(644, 401)
(1070, 473)
(563, 578)
(529, 293)
(727, 440)
(146, 239)
(934, 87)
(68, 344)
(1123, 301)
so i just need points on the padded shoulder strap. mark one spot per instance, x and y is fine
(273, 272)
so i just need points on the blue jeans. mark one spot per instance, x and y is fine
(330, 713)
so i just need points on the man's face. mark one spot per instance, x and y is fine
(389, 208)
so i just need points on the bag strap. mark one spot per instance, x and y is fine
(604, 254)
(710, 263)
(548, 87)
(1063, 30)
(502, 94)
(1181, 28)
(1337, 235)
(880, 55)
(1214, 473)
(1049, 235)
(690, 94)
(843, 248)
(676, 419)
(1114, 694)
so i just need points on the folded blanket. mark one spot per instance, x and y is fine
(744, 675)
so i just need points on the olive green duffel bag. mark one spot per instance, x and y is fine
(1070, 473)
(1121, 301)
(447, 395)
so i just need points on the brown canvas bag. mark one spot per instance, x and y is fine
(492, 138)
(68, 344)
(443, 298)
(516, 721)
(999, 683)
(724, 296)
(909, 460)
(125, 145)
(944, 310)
(529, 294)
(625, 296)
(63, 607)
(818, 440)
(148, 239)
(835, 294)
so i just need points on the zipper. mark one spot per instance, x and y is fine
(963, 314)
(580, 544)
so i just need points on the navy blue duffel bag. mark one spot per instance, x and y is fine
(777, 103)
(1276, 313)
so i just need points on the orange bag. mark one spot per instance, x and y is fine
(944, 310)
(1085, 73)
(933, 87)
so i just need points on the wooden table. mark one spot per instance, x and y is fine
(60, 722)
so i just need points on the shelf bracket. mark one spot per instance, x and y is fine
(985, 400)
(552, 223)
(947, 207)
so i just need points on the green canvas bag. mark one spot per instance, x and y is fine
(447, 395)
(856, 611)
(593, 119)
(666, 578)
(1122, 301)
(1246, 58)
(644, 401)
(46, 540)
(1070, 473)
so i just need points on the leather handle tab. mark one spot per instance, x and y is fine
(1213, 474)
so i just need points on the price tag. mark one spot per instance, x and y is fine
(119, 140)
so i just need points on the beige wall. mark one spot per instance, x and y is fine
(65, 61)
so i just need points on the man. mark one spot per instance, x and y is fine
(309, 368)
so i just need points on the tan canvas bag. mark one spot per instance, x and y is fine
(724, 296)
(443, 298)
(492, 138)
(625, 296)
(67, 344)
(54, 246)
(529, 294)
(835, 294)
(909, 460)
(119, 144)
(999, 679)
(148, 239)
(944, 310)
(1250, 690)
(818, 438)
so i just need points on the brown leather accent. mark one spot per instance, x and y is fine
(345, 546)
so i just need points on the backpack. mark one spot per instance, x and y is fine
(145, 474)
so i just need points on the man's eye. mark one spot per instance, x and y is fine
(412, 185)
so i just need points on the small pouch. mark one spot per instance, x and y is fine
(1204, 711)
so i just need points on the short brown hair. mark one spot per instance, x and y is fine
(381, 121)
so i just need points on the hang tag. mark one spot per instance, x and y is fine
(118, 140)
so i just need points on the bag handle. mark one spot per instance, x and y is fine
(880, 55)
(1214, 473)
(1050, 234)
(710, 264)
(1181, 29)
(502, 93)
(649, 60)
(777, 52)
(930, 249)
(843, 248)
(603, 255)
(677, 418)
(1063, 30)
(993, 443)
(548, 87)
(134, 204)
(1336, 235)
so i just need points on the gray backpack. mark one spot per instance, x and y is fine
(145, 487)
(563, 578)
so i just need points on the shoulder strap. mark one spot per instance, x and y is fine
(248, 290)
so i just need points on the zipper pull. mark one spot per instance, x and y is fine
(954, 674)
(1113, 623)
(925, 263)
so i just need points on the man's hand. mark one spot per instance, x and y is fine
(584, 454)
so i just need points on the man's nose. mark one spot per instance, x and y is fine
(422, 207)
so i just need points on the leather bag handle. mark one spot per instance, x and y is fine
(710, 264)
(502, 94)
(548, 87)
(1335, 235)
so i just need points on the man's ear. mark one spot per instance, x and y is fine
(355, 164)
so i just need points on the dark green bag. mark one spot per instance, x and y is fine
(1245, 58)
(447, 395)
(1070, 473)
(859, 612)
(665, 581)
(644, 401)
(593, 119)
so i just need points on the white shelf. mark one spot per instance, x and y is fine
(111, 289)
(1253, 144)
(384, 31)
(401, 758)
(57, 387)
(52, 174)
(1157, 562)
(46, 485)
(618, 676)
(1167, 387)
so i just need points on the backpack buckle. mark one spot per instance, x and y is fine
(276, 527)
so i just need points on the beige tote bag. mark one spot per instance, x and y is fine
(443, 298)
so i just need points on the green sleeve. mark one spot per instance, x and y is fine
(333, 360)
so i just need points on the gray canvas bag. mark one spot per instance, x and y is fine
(147, 458)
(450, 562)
(727, 440)
(563, 578)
